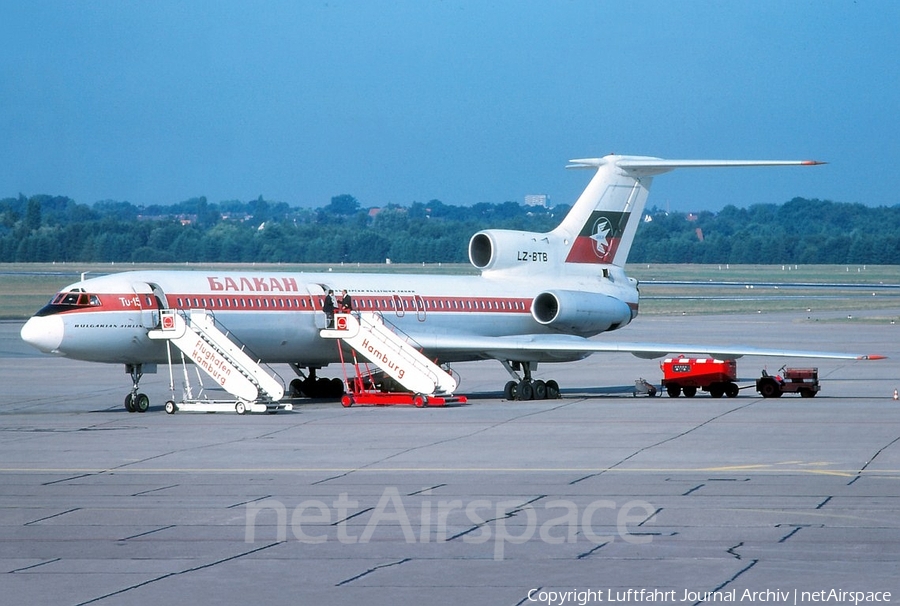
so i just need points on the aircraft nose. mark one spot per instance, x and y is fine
(45, 333)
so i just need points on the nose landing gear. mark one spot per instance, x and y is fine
(134, 401)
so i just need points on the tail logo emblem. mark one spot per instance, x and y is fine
(600, 236)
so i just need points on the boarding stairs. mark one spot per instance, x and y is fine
(195, 333)
(394, 353)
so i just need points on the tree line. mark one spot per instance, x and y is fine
(55, 228)
(799, 231)
(45, 228)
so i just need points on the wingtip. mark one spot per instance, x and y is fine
(813, 162)
(872, 357)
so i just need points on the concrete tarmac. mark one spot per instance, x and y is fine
(494, 503)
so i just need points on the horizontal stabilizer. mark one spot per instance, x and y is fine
(655, 166)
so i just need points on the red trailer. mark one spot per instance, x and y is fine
(687, 375)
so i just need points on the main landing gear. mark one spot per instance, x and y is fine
(134, 401)
(524, 388)
(313, 387)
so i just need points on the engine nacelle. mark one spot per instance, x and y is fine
(580, 312)
(493, 249)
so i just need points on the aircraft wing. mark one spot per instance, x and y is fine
(560, 348)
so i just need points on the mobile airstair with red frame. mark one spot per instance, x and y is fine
(397, 356)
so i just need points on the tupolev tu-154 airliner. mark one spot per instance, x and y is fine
(538, 299)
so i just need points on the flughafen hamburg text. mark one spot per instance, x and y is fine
(577, 597)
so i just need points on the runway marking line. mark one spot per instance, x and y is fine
(765, 468)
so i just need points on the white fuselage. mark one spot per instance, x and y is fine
(278, 315)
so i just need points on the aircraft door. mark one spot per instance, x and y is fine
(161, 299)
(148, 303)
(316, 297)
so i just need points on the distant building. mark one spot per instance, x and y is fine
(537, 200)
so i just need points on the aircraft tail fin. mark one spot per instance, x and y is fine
(602, 223)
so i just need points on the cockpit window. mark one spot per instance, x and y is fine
(69, 301)
(72, 298)
(76, 298)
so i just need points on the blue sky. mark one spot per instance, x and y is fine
(483, 101)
